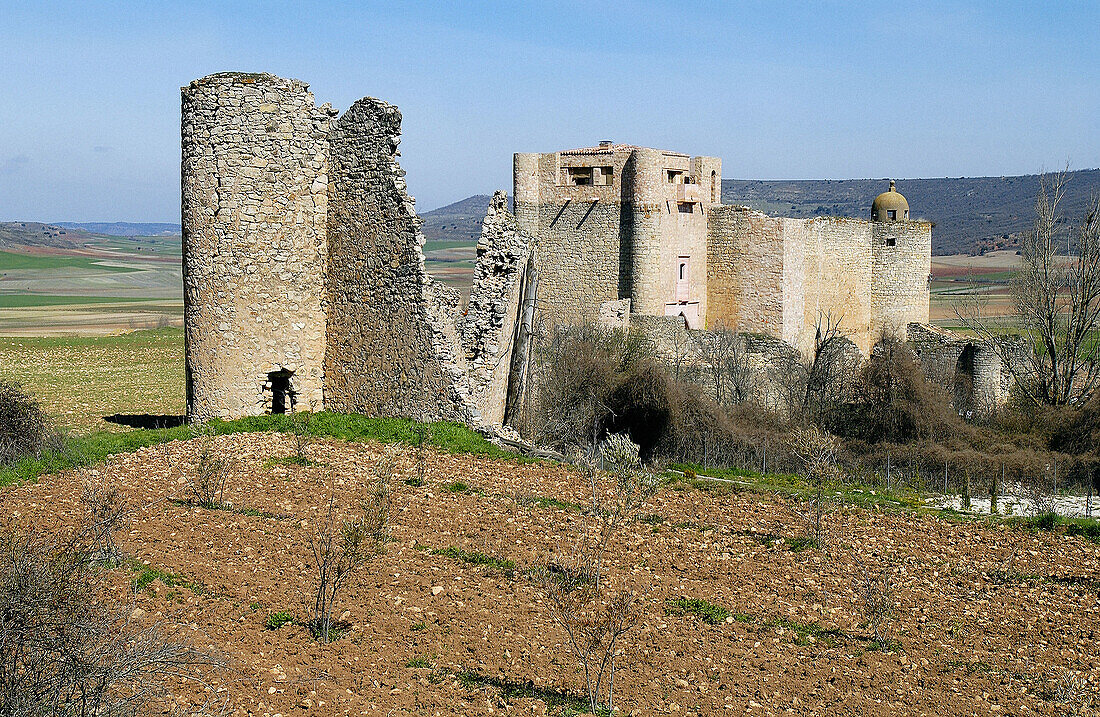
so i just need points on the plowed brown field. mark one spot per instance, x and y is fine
(972, 640)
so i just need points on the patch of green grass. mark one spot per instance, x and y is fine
(542, 501)
(146, 574)
(804, 630)
(797, 545)
(456, 487)
(295, 460)
(277, 619)
(419, 662)
(19, 301)
(737, 480)
(707, 612)
(415, 482)
(418, 627)
(692, 525)
(93, 448)
(475, 558)
(1087, 528)
(254, 512)
(743, 617)
(651, 519)
(557, 702)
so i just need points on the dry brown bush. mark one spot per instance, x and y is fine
(25, 429)
(64, 649)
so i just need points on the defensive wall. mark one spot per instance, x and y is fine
(782, 276)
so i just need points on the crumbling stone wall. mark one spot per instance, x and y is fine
(392, 343)
(254, 198)
(489, 326)
(970, 369)
(304, 274)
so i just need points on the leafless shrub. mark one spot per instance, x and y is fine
(302, 433)
(25, 429)
(874, 588)
(342, 546)
(815, 452)
(107, 511)
(206, 482)
(1041, 497)
(66, 651)
(594, 615)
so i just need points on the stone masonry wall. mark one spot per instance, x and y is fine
(902, 254)
(576, 237)
(488, 328)
(835, 281)
(392, 347)
(254, 195)
(744, 271)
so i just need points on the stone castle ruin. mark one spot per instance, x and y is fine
(305, 286)
(304, 280)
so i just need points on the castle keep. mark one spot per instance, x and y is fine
(305, 287)
(616, 222)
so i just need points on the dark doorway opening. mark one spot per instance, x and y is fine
(965, 370)
(282, 392)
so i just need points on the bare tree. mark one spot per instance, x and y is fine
(815, 451)
(1056, 300)
(874, 588)
(727, 364)
(342, 546)
(830, 370)
(593, 615)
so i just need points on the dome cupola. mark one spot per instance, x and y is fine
(890, 206)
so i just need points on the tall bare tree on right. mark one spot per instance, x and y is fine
(1056, 301)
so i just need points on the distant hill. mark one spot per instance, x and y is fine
(125, 229)
(39, 234)
(970, 213)
(460, 221)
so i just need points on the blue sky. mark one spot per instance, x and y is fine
(89, 92)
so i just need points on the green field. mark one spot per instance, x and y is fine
(82, 379)
(10, 261)
(18, 301)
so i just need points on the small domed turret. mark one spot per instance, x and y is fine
(890, 206)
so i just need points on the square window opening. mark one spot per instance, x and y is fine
(579, 176)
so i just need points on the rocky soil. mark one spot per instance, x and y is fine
(989, 619)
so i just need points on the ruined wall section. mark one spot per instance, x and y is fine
(971, 370)
(392, 343)
(254, 195)
(488, 328)
(745, 270)
(902, 263)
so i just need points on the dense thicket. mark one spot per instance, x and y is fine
(592, 383)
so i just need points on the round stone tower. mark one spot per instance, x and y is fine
(255, 187)
(643, 191)
(890, 206)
